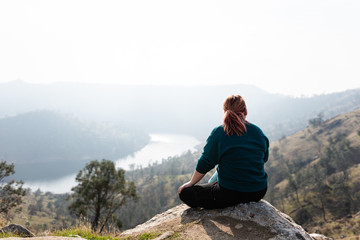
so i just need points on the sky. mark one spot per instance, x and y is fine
(290, 47)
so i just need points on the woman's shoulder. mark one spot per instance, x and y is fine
(218, 130)
(254, 128)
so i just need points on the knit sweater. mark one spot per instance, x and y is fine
(240, 159)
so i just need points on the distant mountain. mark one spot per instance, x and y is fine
(53, 144)
(192, 110)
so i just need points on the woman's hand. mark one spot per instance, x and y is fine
(185, 185)
(194, 179)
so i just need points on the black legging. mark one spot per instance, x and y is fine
(212, 195)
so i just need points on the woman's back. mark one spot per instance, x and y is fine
(240, 159)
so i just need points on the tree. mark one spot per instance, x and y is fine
(317, 121)
(293, 187)
(32, 209)
(321, 188)
(11, 192)
(100, 192)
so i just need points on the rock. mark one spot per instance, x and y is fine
(244, 221)
(238, 226)
(17, 230)
(317, 236)
(165, 235)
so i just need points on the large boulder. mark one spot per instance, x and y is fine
(244, 221)
(16, 229)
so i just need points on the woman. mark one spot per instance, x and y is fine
(240, 149)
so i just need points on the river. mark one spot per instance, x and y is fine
(161, 146)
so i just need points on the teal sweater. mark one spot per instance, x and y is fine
(240, 159)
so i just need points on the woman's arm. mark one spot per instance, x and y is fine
(194, 179)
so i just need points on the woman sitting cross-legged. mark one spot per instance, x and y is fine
(240, 150)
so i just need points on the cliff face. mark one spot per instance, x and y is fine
(245, 221)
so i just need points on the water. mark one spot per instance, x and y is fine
(161, 146)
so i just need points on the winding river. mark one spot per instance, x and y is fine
(161, 146)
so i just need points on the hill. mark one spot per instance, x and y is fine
(49, 144)
(315, 173)
(41, 212)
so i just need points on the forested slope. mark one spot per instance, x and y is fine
(314, 175)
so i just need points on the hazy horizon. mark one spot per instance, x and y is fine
(286, 47)
(302, 95)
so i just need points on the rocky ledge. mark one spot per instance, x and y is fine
(244, 221)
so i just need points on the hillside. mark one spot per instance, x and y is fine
(315, 174)
(50, 145)
(42, 212)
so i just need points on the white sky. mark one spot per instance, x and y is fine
(291, 47)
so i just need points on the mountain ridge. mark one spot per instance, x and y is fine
(193, 110)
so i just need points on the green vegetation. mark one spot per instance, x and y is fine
(84, 232)
(7, 235)
(100, 192)
(146, 236)
(11, 192)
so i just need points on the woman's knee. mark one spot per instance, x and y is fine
(187, 196)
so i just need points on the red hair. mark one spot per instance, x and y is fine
(235, 114)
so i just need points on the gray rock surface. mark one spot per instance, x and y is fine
(317, 236)
(244, 221)
(17, 229)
